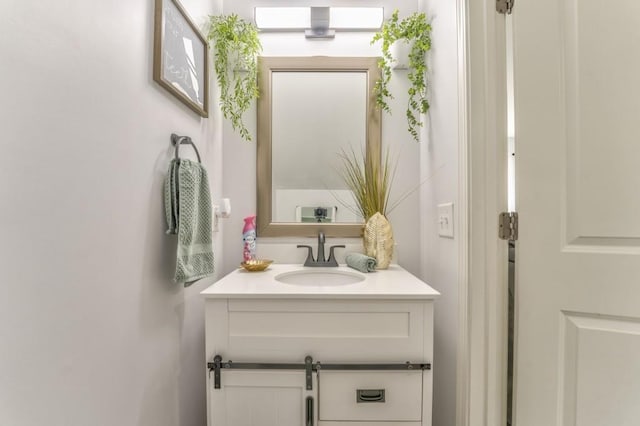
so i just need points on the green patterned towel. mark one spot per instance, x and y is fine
(361, 262)
(187, 203)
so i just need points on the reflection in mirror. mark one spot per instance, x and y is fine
(304, 148)
(310, 110)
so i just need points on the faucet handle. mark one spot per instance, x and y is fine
(332, 260)
(309, 254)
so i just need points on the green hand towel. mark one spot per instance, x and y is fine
(361, 262)
(187, 203)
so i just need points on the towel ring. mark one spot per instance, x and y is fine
(179, 140)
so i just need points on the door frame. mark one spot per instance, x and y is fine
(482, 334)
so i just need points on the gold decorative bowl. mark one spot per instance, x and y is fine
(256, 265)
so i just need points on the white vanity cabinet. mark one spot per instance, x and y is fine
(385, 320)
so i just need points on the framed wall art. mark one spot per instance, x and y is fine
(180, 56)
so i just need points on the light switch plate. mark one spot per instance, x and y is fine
(445, 220)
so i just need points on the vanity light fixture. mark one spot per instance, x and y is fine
(319, 22)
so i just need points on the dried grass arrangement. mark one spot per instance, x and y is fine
(370, 183)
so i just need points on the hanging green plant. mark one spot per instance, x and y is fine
(416, 31)
(236, 47)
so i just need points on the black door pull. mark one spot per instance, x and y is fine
(370, 395)
(309, 411)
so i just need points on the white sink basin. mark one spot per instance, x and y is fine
(319, 277)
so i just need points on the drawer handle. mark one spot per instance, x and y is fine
(370, 395)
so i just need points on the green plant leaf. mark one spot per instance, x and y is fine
(417, 31)
(236, 48)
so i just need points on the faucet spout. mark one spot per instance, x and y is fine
(320, 253)
(320, 259)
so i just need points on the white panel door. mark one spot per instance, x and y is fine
(577, 109)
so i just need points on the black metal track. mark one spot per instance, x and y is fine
(217, 365)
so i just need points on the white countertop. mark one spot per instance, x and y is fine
(392, 283)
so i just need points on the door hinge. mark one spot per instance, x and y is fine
(508, 226)
(504, 6)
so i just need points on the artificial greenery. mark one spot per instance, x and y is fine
(236, 46)
(416, 31)
(370, 182)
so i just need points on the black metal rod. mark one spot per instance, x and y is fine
(317, 366)
(217, 365)
(405, 367)
(257, 366)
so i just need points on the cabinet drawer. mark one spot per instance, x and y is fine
(370, 396)
(328, 330)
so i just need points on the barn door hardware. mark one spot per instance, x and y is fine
(309, 367)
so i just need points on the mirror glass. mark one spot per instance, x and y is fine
(310, 110)
(304, 147)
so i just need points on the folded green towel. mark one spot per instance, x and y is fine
(187, 202)
(361, 262)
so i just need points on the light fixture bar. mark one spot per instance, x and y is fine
(282, 18)
(357, 18)
(301, 18)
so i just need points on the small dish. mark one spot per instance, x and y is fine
(256, 265)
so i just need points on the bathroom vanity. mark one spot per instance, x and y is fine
(295, 346)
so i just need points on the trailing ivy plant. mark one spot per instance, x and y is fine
(416, 31)
(236, 46)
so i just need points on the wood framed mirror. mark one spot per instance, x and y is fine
(309, 110)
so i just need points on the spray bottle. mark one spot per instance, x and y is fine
(249, 238)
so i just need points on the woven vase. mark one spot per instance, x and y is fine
(378, 240)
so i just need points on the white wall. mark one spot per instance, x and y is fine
(439, 158)
(240, 186)
(434, 161)
(92, 330)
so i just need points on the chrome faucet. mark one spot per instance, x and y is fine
(320, 260)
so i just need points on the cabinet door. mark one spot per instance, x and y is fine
(261, 398)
